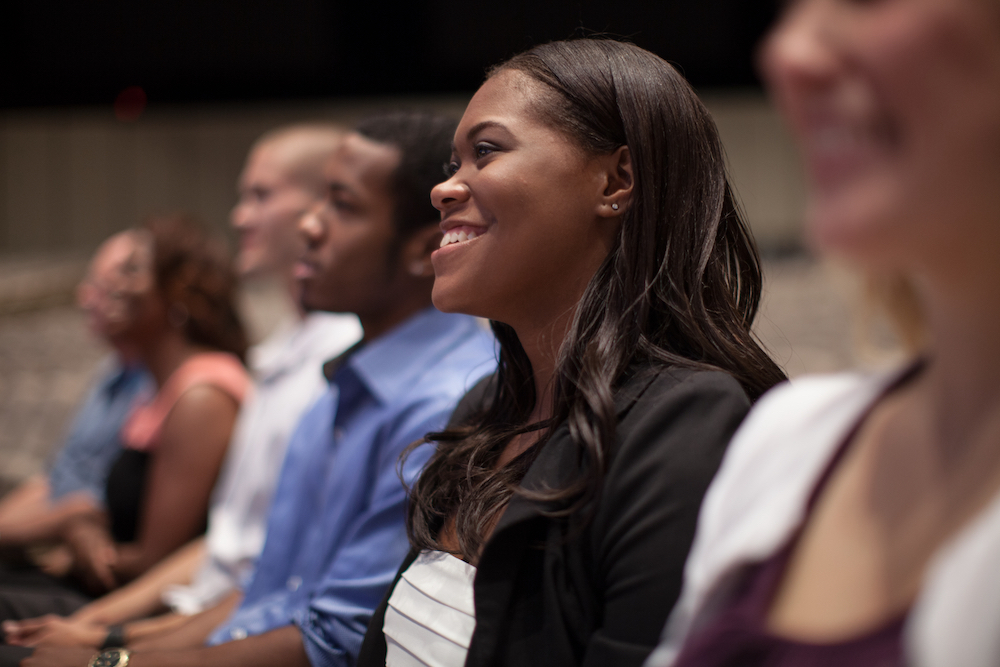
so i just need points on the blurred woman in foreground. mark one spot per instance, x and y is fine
(175, 314)
(588, 214)
(856, 519)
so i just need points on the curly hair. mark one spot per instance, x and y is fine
(193, 273)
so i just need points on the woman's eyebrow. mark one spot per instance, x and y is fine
(479, 127)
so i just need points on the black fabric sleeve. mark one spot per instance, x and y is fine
(673, 441)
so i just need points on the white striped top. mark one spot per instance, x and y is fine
(431, 613)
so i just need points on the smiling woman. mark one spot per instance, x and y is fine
(869, 504)
(588, 215)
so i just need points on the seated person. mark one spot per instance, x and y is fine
(176, 307)
(37, 510)
(588, 214)
(282, 179)
(336, 527)
(856, 519)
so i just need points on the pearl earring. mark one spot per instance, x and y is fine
(614, 207)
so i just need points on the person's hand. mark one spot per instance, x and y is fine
(94, 554)
(59, 656)
(52, 630)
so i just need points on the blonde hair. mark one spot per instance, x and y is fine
(895, 296)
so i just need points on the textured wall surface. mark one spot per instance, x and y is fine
(69, 178)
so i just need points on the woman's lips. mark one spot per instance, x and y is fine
(303, 270)
(461, 234)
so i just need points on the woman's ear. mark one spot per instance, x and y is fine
(416, 252)
(618, 183)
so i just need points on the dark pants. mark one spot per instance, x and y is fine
(11, 656)
(28, 593)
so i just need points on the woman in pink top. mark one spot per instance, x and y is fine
(177, 316)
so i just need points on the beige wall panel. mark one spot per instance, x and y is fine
(123, 208)
(26, 179)
(764, 166)
(166, 167)
(89, 186)
(69, 178)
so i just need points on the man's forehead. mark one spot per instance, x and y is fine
(360, 162)
(265, 166)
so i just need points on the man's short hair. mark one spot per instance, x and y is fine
(424, 142)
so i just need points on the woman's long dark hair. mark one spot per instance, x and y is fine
(680, 287)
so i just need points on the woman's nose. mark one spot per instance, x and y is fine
(798, 54)
(448, 193)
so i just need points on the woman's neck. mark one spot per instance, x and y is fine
(164, 354)
(962, 382)
(541, 343)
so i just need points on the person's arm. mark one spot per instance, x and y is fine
(142, 597)
(282, 646)
(180, 479)
(676, 437)
(174, 631)
(88, 626)
(28, 516)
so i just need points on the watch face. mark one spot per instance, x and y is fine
(114, 657)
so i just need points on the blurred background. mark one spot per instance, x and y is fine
(113, 111)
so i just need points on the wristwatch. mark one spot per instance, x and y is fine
(110, 657)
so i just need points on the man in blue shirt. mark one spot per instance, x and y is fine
(336, 527)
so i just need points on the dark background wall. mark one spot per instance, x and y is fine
(59, 52)
(114, 110)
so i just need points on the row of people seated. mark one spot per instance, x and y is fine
(161, 295)
(282, 179)
(587, 213)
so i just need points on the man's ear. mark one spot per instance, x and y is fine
(416, 252)
(618, 182)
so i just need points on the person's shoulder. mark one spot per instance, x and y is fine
(673, 379)
(475, 401)
(809, 403)
(470, 355)
(652, 390)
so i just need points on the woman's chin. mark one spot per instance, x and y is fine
(455, 301)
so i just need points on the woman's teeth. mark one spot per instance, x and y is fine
(457, 237)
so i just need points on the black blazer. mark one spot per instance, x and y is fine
(550, 592)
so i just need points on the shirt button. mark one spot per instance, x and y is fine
(238, 633)
(293, 583)
(338, 433)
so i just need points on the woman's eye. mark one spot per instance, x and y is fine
(450, 168)
(342, 205)
(482, 150)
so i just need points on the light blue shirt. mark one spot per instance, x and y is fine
(94, 442)
(336, 533)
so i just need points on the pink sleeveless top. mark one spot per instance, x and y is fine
(219, 369)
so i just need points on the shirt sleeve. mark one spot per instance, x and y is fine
(646, 522)
(337, 617)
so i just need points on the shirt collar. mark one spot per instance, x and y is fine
(389, 365)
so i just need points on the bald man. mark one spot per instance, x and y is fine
(281, 180)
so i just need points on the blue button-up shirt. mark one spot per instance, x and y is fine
(336, 533)
(93, 442)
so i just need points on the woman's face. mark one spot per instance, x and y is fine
(118, 294)
(896, 107)
(520, 212)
